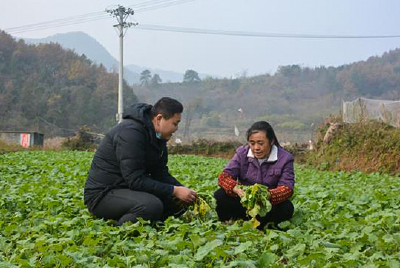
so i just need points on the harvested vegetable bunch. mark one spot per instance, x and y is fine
(199, 209)
(256, 201)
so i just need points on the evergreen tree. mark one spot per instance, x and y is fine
(191, 76)
(145, 77)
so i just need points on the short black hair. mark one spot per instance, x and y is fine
(167, 107)
(263, 126)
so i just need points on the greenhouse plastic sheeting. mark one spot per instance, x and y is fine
(368, 109)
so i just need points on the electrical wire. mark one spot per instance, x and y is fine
(257, 34)
(146, 4)
(164, 6)
(94, 16)
(158, 4)
(55, 21)
(70, 130)
(56, 25)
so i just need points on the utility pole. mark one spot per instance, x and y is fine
(122, 14)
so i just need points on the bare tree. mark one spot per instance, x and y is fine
(190, 110)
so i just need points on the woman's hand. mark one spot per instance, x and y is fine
(238, 191)
(185, 194)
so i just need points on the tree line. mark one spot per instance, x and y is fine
(146, 79)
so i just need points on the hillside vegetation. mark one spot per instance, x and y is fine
(47, 84)
(293, 100)
(45, 88)
(367, 146)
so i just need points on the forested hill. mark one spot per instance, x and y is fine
(47, 88)
(295, 99)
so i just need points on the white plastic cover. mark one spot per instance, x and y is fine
(369, 109)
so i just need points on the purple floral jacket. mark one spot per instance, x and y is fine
(275, 171)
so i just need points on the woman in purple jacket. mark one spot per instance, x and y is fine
(262, 161)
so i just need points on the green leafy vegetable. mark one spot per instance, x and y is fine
(341, 220)
(256, 201)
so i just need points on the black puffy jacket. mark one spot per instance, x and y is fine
(130, 156)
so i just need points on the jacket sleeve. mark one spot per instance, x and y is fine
(280, 194)
(227, 182)
(287, 178)
(130, 150)
(164, 174)
(168, 178)
(284, 190)
(233, 167)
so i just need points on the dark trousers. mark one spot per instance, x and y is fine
(230, 208)
(125, 205)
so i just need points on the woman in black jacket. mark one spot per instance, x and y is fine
(129, 176)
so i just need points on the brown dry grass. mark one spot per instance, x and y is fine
(368, 147)
(54, 143)
(9, 147)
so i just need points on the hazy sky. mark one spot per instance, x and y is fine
(226, 55)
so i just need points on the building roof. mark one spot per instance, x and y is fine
(30, 132)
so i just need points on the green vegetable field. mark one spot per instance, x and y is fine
(341, 220)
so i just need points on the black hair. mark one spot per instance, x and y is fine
(263, 126)
(167, 107)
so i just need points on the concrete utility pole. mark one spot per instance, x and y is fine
(122, 14)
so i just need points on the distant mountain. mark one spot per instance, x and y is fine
(83, 43)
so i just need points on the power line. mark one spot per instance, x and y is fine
(158, 4)
(154, 3)
(164, 6)
(56, 25)
(148, 4)
(70, 130)
(151, 27)
(55, 21)
(94, 16)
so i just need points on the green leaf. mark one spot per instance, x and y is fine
(206, 249)
(266, 259)
(296, 250)
(242, 247)
(254, 211)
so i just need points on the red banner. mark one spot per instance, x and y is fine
(25, 140)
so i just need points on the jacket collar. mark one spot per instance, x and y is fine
(273, 156)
